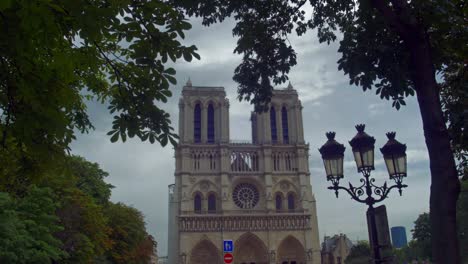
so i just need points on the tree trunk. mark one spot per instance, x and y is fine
(445, 185)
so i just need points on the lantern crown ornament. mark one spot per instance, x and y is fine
(363, 149)
(332, 155)
(394, 154)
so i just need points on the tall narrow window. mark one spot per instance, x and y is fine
(274, 134)
(291, 201)
(211, 126)
(197, 203)
(197, 123)
(279, 202)
(284, 123)
(211, 203)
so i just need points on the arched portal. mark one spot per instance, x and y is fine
(291, 251)
(205, 252)
(249, 249)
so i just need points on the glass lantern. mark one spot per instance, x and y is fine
(363, 149)
(395, 157)
(332, 155)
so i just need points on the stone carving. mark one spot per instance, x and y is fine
(244, 223)
(192, 180)
(204, 186)
(284, 186)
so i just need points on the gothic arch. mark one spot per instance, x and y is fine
(291, 251)
(250, 249)
(279, 198)
(212, 199)
(205, 252)
(197, 122)
(204, 186)
(285, 186)
(197, 198)
(292, 200)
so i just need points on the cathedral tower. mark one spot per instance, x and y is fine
(256, 193)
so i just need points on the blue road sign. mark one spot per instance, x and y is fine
(228, 246)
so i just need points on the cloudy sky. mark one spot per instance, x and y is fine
(141, 172)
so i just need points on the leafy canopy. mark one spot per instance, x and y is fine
(359, 254)
(54, 55)
(27, 227)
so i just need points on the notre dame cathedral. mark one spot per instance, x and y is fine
(256, 192)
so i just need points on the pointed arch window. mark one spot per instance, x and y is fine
(274, 134)
(291, 201)
(197, 123)
(284, 123)
(279, 202)
(211, 125)
(212, 203)
(197, 203)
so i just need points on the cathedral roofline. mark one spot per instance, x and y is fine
(203, 89)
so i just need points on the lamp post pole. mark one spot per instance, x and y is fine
(363, 149)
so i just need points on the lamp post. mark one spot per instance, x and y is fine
(363, 150)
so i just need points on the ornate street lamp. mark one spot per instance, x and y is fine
(395, 159)
(332, 155)
(363, 150)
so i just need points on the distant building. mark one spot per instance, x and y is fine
(335, 249)
(399, 236)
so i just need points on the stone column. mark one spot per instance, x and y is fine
(292, 127)
(182, 181)
(204, 123)
(181, 120)
(225, 184)
(300, 127)
(267, 127)
(260, 128)
(188, 123)
(279, 124)
(225, 121)
(218, 120)
(270, 201)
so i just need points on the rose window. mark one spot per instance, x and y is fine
(245, 195)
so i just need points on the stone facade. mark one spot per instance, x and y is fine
(257, 192)
(336, 249)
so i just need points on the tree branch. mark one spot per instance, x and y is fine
(392, 18)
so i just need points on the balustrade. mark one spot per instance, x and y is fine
(218, 223)
(242, 158)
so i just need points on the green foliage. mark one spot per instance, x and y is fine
(359, 254)
(54, 55)
(86, 233)
(454, 94)
(422, 236)
(90, 179)
(128, 233)
(419, 248)
(83, 226)
(27, 227)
